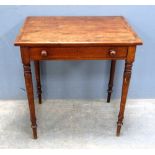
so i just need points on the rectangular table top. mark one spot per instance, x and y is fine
(75, 30)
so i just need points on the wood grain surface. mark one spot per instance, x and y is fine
(72, 31)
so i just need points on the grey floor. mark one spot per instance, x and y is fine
(75, 124)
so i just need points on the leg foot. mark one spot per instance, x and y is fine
(118, 129)
(34, 129)
(109, 96)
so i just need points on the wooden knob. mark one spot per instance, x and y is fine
(112, 53)
(43, 53)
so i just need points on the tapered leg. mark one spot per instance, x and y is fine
(37, 75)
(29, 89)
(111, 79)
(126, 81)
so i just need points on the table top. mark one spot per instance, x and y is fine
(75, 30)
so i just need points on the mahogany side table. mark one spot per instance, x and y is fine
(77, 38)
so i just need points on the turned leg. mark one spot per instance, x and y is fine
(37, 75)
(126, 81)
(111, 79)
(29, 89)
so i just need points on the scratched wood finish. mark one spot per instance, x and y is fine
(77, 38)
(75, 31)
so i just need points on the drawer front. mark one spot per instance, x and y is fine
(80, 53)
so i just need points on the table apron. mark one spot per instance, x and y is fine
(80, 53)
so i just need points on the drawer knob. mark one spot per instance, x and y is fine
(112, 53)
(43, 53)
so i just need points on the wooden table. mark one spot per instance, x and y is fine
(77, 38)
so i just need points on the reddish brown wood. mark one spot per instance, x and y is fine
(77, 31)
(78, 53)
(29, 89)
(111, 79)
(77, 38)
(125, 86)
(37, 75)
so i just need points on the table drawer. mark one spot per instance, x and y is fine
(80, 53)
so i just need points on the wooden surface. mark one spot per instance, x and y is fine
(38, 80)
(111, 79)
(72, 31)
(77, 53)
(93, 38)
